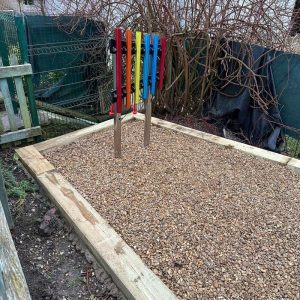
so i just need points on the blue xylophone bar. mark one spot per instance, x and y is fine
(154, 63)
(146, 66)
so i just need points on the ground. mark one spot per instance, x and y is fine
(56, 265)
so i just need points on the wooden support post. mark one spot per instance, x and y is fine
(147, 129)
(146, 96)
(4, 201)
(8, 102)
(21, 95)
(117, 135)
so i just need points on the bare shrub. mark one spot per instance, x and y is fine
(198, 33)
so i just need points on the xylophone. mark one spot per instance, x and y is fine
(149, 54)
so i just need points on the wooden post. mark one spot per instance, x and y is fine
(146, 96)
(117, 135)
(147, 129)
(21, 95)
(8, 102)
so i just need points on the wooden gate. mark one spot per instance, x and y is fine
(17, 124)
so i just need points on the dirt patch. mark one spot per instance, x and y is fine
(55, 263)
(211, 222)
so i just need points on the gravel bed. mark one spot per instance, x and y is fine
(210, 221)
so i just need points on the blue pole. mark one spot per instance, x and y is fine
(146, 65)
(154, 63)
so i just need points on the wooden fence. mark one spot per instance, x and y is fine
(20, 124)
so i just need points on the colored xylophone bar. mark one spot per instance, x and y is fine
(150, 54)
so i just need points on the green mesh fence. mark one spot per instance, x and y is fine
(9, 45)
(71, 77)
(72, 81)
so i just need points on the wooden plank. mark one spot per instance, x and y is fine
(12, 280)
(294, 164)
(13, 71)
(258, 152)
(126, 268)
(75, 135)
(4, 201)
(147, 129)
(34, 161)
(21, 95)
(20, 135)
(8, 102)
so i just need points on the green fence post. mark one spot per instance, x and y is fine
(4, 202)
(19, 21)
(4, 53)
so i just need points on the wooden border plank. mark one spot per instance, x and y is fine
(290, 162)
(75, 135)
(20, 135)
(13, 71)
(127, 269)
(34, 161)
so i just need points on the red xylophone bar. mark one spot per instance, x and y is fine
(118, 34)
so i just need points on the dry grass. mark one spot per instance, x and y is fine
(211, 222)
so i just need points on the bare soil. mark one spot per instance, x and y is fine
(210, 221)
(56, 265)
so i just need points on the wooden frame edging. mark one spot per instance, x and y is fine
(127, 269)
(290, 162)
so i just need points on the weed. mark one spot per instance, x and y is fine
(16, 189)
(292, 146)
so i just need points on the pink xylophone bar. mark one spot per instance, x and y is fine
(163, 45)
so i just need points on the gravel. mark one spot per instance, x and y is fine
(211, 222)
